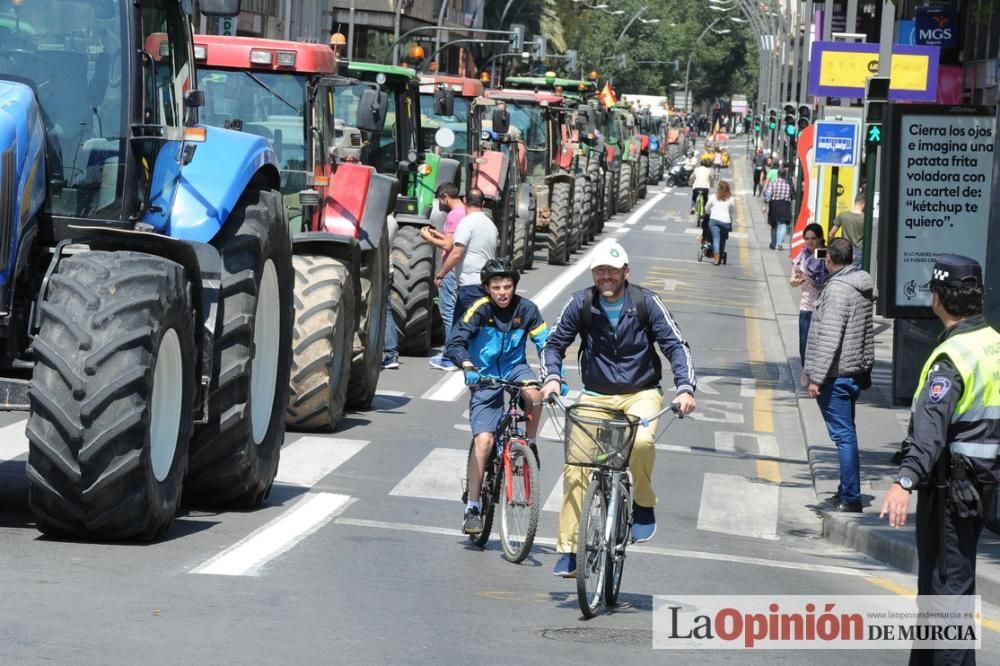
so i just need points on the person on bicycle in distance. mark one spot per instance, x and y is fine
(619, 325)
(701, 183)
(489, 342)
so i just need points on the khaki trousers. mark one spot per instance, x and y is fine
(576, 479)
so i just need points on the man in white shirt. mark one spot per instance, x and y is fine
(701, 182)
(474, 243)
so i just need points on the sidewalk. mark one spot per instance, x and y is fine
(881, 428)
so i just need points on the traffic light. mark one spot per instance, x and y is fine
(539, 48)
(876, 105)
(804, 117)
(757, 120)
(789, 110)
(772, 119)
(570, 60)
(516, 37)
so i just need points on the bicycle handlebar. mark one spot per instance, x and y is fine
(672, 407)
(487, 382)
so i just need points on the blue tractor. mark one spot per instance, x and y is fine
(145, 272)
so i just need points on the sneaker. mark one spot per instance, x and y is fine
(390, 363)
(846, 507)
(565, 566)
(829, 502)
(473, 521)
(441, 363)
(644, 523)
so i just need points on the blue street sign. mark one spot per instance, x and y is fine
(836, 143)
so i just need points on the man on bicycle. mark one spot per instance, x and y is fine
(489, 342)
(619, 324)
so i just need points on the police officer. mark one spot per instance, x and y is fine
(950, 453)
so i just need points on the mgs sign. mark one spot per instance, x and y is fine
(935, 26)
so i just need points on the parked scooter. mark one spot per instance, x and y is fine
(679, 175)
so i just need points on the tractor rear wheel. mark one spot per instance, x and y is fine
(610, 181)
(581, 211)
(624, 203)
(321, 339)
(643, 176)
(560, 210)
(369, 338)
(412, 290)
(655, 169)
(111, 397)
(234, 456)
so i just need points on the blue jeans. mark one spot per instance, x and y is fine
(805, 319)
(720, 233)
(467, 295)
(836, 402)
(778, 233)
(391, 347)
(446, 300)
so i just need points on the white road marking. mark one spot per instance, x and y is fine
(13, 442)
(550, 431)
(727, 412)
(465, 427)
(249, 555)
(438, 476)
(449, 389)
(704, 384)
(641, 548)
(694, 232)
(308, 459)
(555, 498)
(654, 227)
(391, 394)
(623, 230)
(763, 443)
(614, 225)
(735, 505)
(748, 387)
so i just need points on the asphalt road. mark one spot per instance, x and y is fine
(357, 555)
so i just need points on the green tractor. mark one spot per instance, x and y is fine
(398, 150)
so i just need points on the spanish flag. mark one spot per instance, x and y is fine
(608, 96)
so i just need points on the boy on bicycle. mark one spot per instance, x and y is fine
(619, 325)
(489, 342)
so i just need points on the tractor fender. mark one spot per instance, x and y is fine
(208, 187)
(338, 246)
(491, 174)
(524, 202)
(379, 205)
(346, 198)
(448, 171)
(410, 220)
(202, 264)
(644, 143)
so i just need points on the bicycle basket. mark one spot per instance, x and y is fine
(599, 437)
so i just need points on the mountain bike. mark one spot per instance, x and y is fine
(602, 439)
(511, 478)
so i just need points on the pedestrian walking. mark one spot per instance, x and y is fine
(759, 164)
(778, 194)
(839, 356)
(809, 273)
(390, 337)
(474, 243)
(721, 211)
(852, 224)
(448, 200)
(950, 453)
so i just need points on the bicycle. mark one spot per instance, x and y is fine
(602, 439)
(699, 208)
(510, 479)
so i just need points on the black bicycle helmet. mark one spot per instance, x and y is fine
(498, 267)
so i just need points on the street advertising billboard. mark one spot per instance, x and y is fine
(836, 143)
(936, 25)
(839, 69)
(937, 181)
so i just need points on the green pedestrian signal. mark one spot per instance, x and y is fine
(875, 134)
(790, 130)
(756, 128)
(771, 125)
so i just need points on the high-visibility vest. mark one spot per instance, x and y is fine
(974, 430)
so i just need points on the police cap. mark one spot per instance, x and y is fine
(954, 270)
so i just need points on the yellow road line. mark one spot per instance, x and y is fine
(741, 224)
(763, 405)
(907, 591)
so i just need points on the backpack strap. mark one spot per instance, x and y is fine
(638, 298)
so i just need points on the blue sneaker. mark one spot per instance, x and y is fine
(566, 566)
(440, 362)
(643, 523)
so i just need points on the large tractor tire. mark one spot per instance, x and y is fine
(655, 169)
(581, 211)
(519, 231)
(594, 223)
(560, 210)
(369, 338)
(412, 290)
(321, 343)
(610, 181)
(111, 397)
(624, 202)
(234, 456)
(643, 180)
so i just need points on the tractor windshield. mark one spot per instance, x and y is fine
(379, 151)
(70, 53)
(529, 119)
(457, 123)
(268, 104)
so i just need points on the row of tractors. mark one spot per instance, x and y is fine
(195, 240)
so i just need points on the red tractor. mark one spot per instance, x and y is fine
(338, 210)
(541, 122)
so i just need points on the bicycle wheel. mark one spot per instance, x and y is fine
(487, 493)
(519, 503)
(620, 536)
(591, 551)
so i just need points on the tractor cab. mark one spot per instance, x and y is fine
(445, 101)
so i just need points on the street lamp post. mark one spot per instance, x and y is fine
(687, 74)
(635, 18)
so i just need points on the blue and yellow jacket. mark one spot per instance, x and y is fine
(494, 339)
